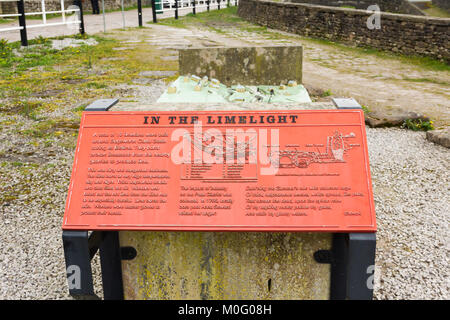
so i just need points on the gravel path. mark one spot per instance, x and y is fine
(411, 188)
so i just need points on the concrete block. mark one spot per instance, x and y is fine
(225, 265)
(244, 65)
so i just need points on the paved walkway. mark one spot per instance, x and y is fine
(93, 24)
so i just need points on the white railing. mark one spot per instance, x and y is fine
(10, 15)
(171, 5)
(43, 13)
(44, 17)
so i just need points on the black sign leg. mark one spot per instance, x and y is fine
(78, 264)
(139, 3)
(338, 285)
(22, 23)
(353, 266)
(110, 260)
(79, 249)
(361, 266)
(154, 11)
(79, 4)
(176, 9)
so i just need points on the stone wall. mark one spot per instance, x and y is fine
(394, 6)
(407, 34)
(8, 7)
(444, 4)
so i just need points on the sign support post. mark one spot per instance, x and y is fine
(140, 12)
(80, 5)
(79, 249)
(353, 253)
(154, 11)
(77, 254)
(22, 23)
(176, 9)
(110, 258)
(352, 266)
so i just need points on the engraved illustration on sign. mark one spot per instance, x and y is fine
(336, 147)
(240, 171)
(220, 147)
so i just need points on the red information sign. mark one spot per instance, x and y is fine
(222, 171)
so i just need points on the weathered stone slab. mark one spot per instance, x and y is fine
(440, 136)
(169, 58)
(346, 103)
(157, 73)
(101, 105)
(393, 117)
(225, 265)
(244, 65)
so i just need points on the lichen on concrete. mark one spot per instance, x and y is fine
(225, 265)
(270, 65)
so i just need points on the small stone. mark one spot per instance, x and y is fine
(169, 58)
(142, 81)
(394, 117)
(440, 136)
(156, 73)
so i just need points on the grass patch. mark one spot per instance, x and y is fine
(418, 125)
(436, 12)
(29, 109)
(365, 109)
(326, 93)
(5, 20)
(14, 59)
(97, 85)
(51, 127)
(71, 76)
(222, 16)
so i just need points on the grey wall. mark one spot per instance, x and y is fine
(8, 7)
